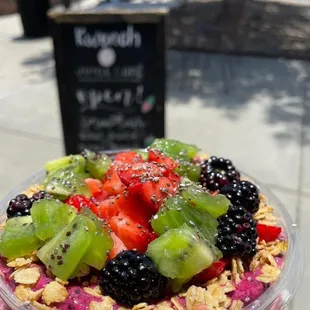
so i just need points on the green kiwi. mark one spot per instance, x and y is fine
(101, 244)
(64, 253)
(18, 238)
(50, 216)
(74, 162)
(176, 211)
(180, 254)
(97, 164)
(65, 182)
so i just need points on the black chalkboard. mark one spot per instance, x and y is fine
(111, 78)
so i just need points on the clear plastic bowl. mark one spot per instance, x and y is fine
(276, 297)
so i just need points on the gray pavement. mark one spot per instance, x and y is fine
(255, 111)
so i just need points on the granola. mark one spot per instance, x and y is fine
(26, 275)
(54, 292)
(106, 304)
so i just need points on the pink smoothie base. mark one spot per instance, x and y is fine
(247, 290)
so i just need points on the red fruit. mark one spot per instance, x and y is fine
(153, 236)
(107, 209)
(174, 178)
(210, 273)
(99, 197)
(133, 235)
(132, 206)
(80, 201)
(268, 233)
(160, 158)
(128, 158)
(94, 185)
(140, 172)
(153, 193)
(112, 183)
(118, 246)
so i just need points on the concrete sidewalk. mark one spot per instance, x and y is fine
(254, 111)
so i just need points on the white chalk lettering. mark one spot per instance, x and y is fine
(95, 99)
(123, 39)
(113, 121)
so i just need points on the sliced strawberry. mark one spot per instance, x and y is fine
(174, 178)
(153, 236)
(210, 273)
(112, 183)
(118, 246)
(107, 209)
(128, 158)
(99, 197)
(268, 233)
(153, 193)
(133, 235)
(158, 157)
(132, 206)
(140, 172)
(94, 185)
(79, 201)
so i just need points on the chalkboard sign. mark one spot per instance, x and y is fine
(111, 78)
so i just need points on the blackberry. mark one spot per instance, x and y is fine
(131, 277)
(21, 204)
(40, 195)
(236, 233)
(217, 172)
(242, 193)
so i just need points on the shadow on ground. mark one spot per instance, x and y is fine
(251, 27)
(42, 66)
(233, 83)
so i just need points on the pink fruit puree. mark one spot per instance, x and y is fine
(247, 290)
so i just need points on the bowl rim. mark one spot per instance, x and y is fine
(275, 295)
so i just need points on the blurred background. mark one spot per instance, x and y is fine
(238, 85)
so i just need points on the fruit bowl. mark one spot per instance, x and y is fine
(276, 297)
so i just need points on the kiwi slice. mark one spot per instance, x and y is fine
(180, 254)
(189, 170)
(64, 253)
(49, 216)
(18, 238)
(175, 149)
(176, 211)
(97, 164)
(101, 244)
(204, 201)
(73, 162)
(65, 182)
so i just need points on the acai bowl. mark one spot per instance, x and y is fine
(163, 228)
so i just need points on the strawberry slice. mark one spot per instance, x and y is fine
(107, 209)
(268, 233)
(118, 246)
(158, 157)
(140, 172)
(133, 235)
(153, 236)
(80, 201)
(132, 206)
(210, 273)
(154, 192)
(94, 185)
(99, 197)
(128, 158)
(174, 178)
(112, 183)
